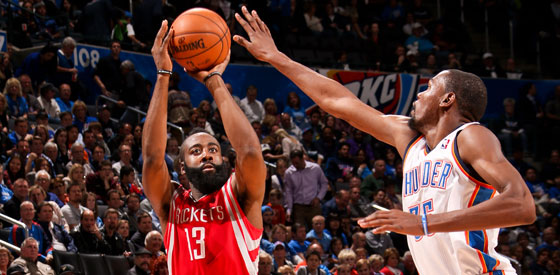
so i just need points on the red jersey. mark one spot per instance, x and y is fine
(211, 235)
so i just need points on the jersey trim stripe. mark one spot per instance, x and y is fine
(411, 144)
(170, 248)
(238, 234)
(251, 243)
(462, 167)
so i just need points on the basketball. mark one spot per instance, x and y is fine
(201, 39)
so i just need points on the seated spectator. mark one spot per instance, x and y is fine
(110, 234)
(101, 181)
(294, 109)
(362, 267)
(376, 263)
(27, 261)
(142, 259)
(57, 235)
(123, 230)
(128, 184)
(63, 101)
(334, 228)
(14, 169)
(312, 22)
(18, 234)
(299, 244)
(81, 118)
(89, 201)
(374, 181)
(510, 129)
(47, 101)
(78, 164)
(17, 105)
(345, 269)
(319, 233)
(6, 258)
(21, 131)
(133, 211)
(37, 195)
(87, 237)
(159, 266)
(12, 207)
(417, 42)
(43, 179)
(73, 210)
(391, 259)
(286, 270)
(144, 227)
(313, 261)
(337, 205)
(59, 189)
(279, 256)
(275, 202)
(154, 244)
(549, 240)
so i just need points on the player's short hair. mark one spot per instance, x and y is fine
(470, 93)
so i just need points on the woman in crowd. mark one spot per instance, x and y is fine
(271, 116)
(61, 140)
(313, 260)
(14, 170)
(293, 107)
(17, 105)
(123, 228)
(77, 175)
(6, 259)
(90, 202)
(58, 187)
(391, 258)
(4, 113)
(289, 143)
(159, 266)
(37, 195)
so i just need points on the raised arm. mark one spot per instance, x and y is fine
(155, 177)
(250, 170)
(512, 207)
(330, 95)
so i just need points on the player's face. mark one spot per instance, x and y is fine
(425, 108)
(204, 164)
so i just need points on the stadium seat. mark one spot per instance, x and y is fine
(117, 264)
(93, 264)
(64, 257)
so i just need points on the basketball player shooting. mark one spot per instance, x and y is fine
(458, 188)
(216, 226)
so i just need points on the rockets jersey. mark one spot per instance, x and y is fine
(437, 181)
(211, 235)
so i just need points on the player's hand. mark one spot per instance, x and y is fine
(260, 43)
(160, 49)
(393, 220)
(200, 75)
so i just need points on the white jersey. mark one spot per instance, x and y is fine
(437, 181)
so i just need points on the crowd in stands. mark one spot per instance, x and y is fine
(72, 174)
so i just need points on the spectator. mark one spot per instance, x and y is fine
(289, 143)
(305, 186)
(65, 69)
(378, 243)
(17, 105)
(362, 267)
(12, 207)
(335, 230)
(37, 195)
(125, 155)
(107, 73)
(251, 106)
(275, 202)
(319, 232)
(279, 256)
(115, 241)
(510, 129)
(132, 211)
(133, 92)
(101, 181)
(144, 227)
(123, 31)
(312, 22)
(43, 179)
(18, 234)
(87, 237)
(452, 62)
(123, 229)
(159, 266)
(57, 235)
(313, 261)
(142, 259)
(286, 270)
(77, 175)
(338, 204)
(6, 259)
(374, 181)
(489, 68)
(81, 118)
(265, 263)
(347, 257)
(299, 244)
(64, 102)
(408, 264)
(267, 216)
(289, 127)
(28, 92)
(40, 66)
(14, 170)
(59, 189)
(391, 259)
(511, 71)
(154, 244)
(376, 263)
(96, 21)
(339, 167)
(73, 210)
(28, 259)
(549, 240)
(417, 42)
(294, 109)
(89, 201)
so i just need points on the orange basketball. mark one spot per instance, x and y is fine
(201, 39)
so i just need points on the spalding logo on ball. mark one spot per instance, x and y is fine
(201, 39)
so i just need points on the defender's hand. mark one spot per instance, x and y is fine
(260, 43)
(160, 49)
(393, 220)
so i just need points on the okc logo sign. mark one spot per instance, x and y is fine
(390, 93)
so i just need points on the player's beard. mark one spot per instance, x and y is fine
(210, 182)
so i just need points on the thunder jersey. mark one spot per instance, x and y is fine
(437, 181)
(211, 235)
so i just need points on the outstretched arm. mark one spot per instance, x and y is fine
(512, 207)
(250, 170)
(155, 177)
(330, 95)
